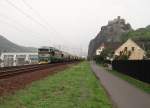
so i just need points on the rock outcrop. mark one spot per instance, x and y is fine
(110, 33)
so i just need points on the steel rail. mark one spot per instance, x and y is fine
(8, 72)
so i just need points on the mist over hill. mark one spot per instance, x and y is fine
(8, 46)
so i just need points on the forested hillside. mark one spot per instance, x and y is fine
(141, 34)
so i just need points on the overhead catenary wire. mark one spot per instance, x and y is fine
(27, 15)
(40, 17)
(16, 22)
(31, 17)
(12, 26)
(37, 13)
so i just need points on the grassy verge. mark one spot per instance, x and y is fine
(139, 84)
(76, 87)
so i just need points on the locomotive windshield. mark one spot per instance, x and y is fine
(43, 49)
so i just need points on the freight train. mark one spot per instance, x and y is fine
(53, 55)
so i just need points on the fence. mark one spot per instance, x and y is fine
(139, 69)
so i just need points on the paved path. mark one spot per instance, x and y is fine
(121, 92)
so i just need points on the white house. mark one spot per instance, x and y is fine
(136, 52)
(100, 49)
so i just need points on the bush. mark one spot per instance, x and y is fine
(148, 54)
(98, 59)
(102, 58)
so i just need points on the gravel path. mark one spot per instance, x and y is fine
(123, 94)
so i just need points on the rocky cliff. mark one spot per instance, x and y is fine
(110, 33)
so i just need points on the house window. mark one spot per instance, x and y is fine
(132, 48)
(120, 52)
(125, 48)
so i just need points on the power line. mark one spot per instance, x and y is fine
(39, 16)
(16, 22)
(31, 8)
(27, 15)
(11, 26)
(14, 27)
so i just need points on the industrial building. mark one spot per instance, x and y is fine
(18, 58)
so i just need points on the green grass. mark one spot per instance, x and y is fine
(139, 84)
(76, 87)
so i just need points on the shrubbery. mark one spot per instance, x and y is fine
(103, 57)
(139, 34)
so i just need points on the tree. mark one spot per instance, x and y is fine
(124, 55)
(148, 54)
(102, 58)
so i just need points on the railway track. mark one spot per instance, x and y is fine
(11, 71)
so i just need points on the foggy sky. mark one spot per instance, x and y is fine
(66, 24)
